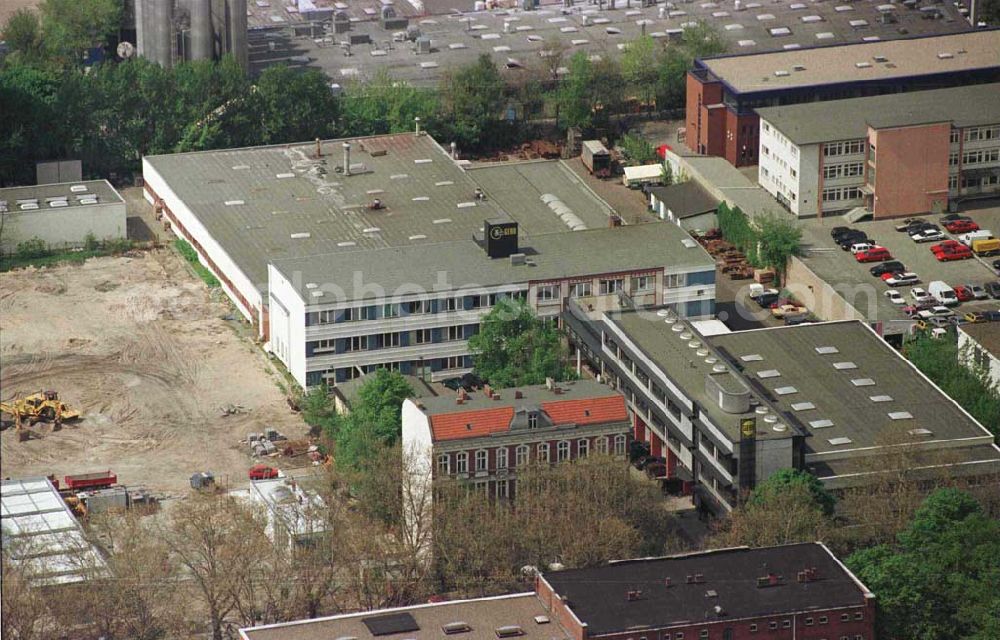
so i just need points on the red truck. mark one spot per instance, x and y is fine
(262, 472)
(96, 480)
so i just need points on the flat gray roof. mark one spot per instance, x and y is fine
(483, 615)
(277, 192)
(859, 387)
(686, 199)
(987, 334)
(463, 264)
(725, 182)
(71, 192)
(530, 395)
(815, 122)
(838, 64)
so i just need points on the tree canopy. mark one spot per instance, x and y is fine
(374, 421)
(785, 480)
(70, 27)
(938, 581)
(515, 348)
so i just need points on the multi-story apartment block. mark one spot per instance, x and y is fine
(388, 258)
(485, 437)
(728, 410)
(724, 93)
(775, 593)
(934, 147)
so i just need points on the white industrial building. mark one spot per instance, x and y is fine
(382, 259)
(42, 537)
(819, 157)
(61, 215)
(979, 349)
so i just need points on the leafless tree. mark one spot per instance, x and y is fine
(791, 516)
(25, 610)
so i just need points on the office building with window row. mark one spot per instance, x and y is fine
(383, 259)
(725, 92)
(934, 148)
(728, 410)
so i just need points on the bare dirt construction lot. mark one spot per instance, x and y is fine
(142, 348)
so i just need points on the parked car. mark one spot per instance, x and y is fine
(767, 300)
(918, 294)
(911, 310)
(996, 265)
(933, 322)
(952, 217)
(262, 472)
(797, 318)
(893, 266)
(961, 226)
(854, 237)
(858, 247)
(839, 231)
(927, 235)
(942, 292)
(875, 254)
(782, 310)
(938, 311)
(993, 288)
(946, 245)
(951, 253)
(900, 279)
(895, 296)
(977, 291)
(923, 226)
(906, 223)
(963, 293)
(982, 316)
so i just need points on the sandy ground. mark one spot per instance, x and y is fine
(142, 348)
(10, 7)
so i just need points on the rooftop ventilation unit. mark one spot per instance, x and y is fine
(234, 203)
(509, 631)
(945, 56)
(78, 188)
(823, 351)
(839, 441)
(842, 366)
(803, 406)
(301, 236)
(348, 243)
(821, 424)
(880, 398)
(781, 73)
(541, 619)
(689, 243)
(456, 627)
(862, 65)
(900, 415)
(753, 357)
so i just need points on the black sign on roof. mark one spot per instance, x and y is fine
(390, 624)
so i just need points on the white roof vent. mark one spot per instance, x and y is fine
(694, 344)
(465, 205)
(862, 65)
(348, 243)
(419, 236)
(753, 357)
(784, 391)
(420, 199)
(842, 366)
(820, 424)
(920, 432)
(399, 176)
(300, 236)
(803, 406)
(825, 351)
(690, 243)
(370, 230)
(444, 183)
(442, 221)
(78, 188)
(311, 285)
(945, 55)
(781, 73)
(719, 368)
(900, 415)
(769, 373)
(862, 382)
(687, 335)
(62, 203)
(422, 161)
(880, 398)
(541, 619)
(711, 360)
(234, 203)
(702, 352)
(839, 441)
(282, 176)
(761, 410)
(770, 418)
(677, 328)
(241, 167)
(316, 294)
(779, 427)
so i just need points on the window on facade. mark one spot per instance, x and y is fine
(582, 448)
(809, 622)
(859, 616)
(786, 624)
(482, 460)
(953, 182)
(521, 455)
(844, 617)
(548, 292)
(503, 490)
(772, 624)
(356, 343)
(390, 340)
(642, 283)
(764, 150)
(444, 464)
(675, 280)
(451, 304)
(390, 311)
(543, 452)
(562, 451)
(677, 636)
(601, 444)
(454, 332)
(502, 458)
(325, 345)
(823, 620)
(753, 628)
(422, 336)
(581, 289)
(620, 444)
(613, 285)
(703, 633)
(532, 420)
(954, 135)
(462, 462)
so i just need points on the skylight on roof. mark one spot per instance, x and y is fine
(863, 65)
(348, 243)
(444, 183)
(920, 432)
(820, 424)
(823, 351)
(839, 441)
(301, 236)
(803, 406)
(422, 161)
(282, 176)
(862, 382)
(841, 366)
(234, 203)
(399, 176)
(900, 415)
(769, 373)
(418, 236)
(880, 398)
(690, 243)
(753, 357)
(784, 391)
(465, 205)
(442, 221)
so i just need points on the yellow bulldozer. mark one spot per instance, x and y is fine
(44, 406)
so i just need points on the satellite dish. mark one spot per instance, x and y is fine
(126, 49)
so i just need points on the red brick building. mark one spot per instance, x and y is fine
(798, 591)
(483, 437)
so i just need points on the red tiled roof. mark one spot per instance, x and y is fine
(471, 424)
(587, 410)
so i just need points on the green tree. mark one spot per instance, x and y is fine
(673, 63)
(320, 413)
(989, 12)
(637, 150)
(938, 581)
(784, 480)
(23, 34)
(374, 422)
(575, 95)
(384, 105)
(29, 130)
(970, 388)
(71, 26)
(515, 348)
(638, 64)
(779, 240)
(294, 106)
(778, 512)
(472, 101)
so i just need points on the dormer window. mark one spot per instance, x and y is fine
(532, 420)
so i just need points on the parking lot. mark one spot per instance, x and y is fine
(867, 293)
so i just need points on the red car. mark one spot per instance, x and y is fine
(961, 226)
(963, 294)
(262, 472)
(947, 245)
(950, 254)
(875, 254)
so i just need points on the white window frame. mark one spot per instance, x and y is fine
(522, 455)
(642, 284)
(563, 451)
(532, 420)
(582, 448)
(547, 292)
(502, 455)
(601, 445)
(462, 462)
(502, 489)
(482, 460)
(581, 289)
(620, 444)
(444, 464)
(610, 286)
(542, 451)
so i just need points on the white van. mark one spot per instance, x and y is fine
(982, 234)
(942, 293)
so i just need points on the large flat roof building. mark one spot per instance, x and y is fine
(723, 93)
(333, 254)
(62, 215)
(832, 398)
(934, 147)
